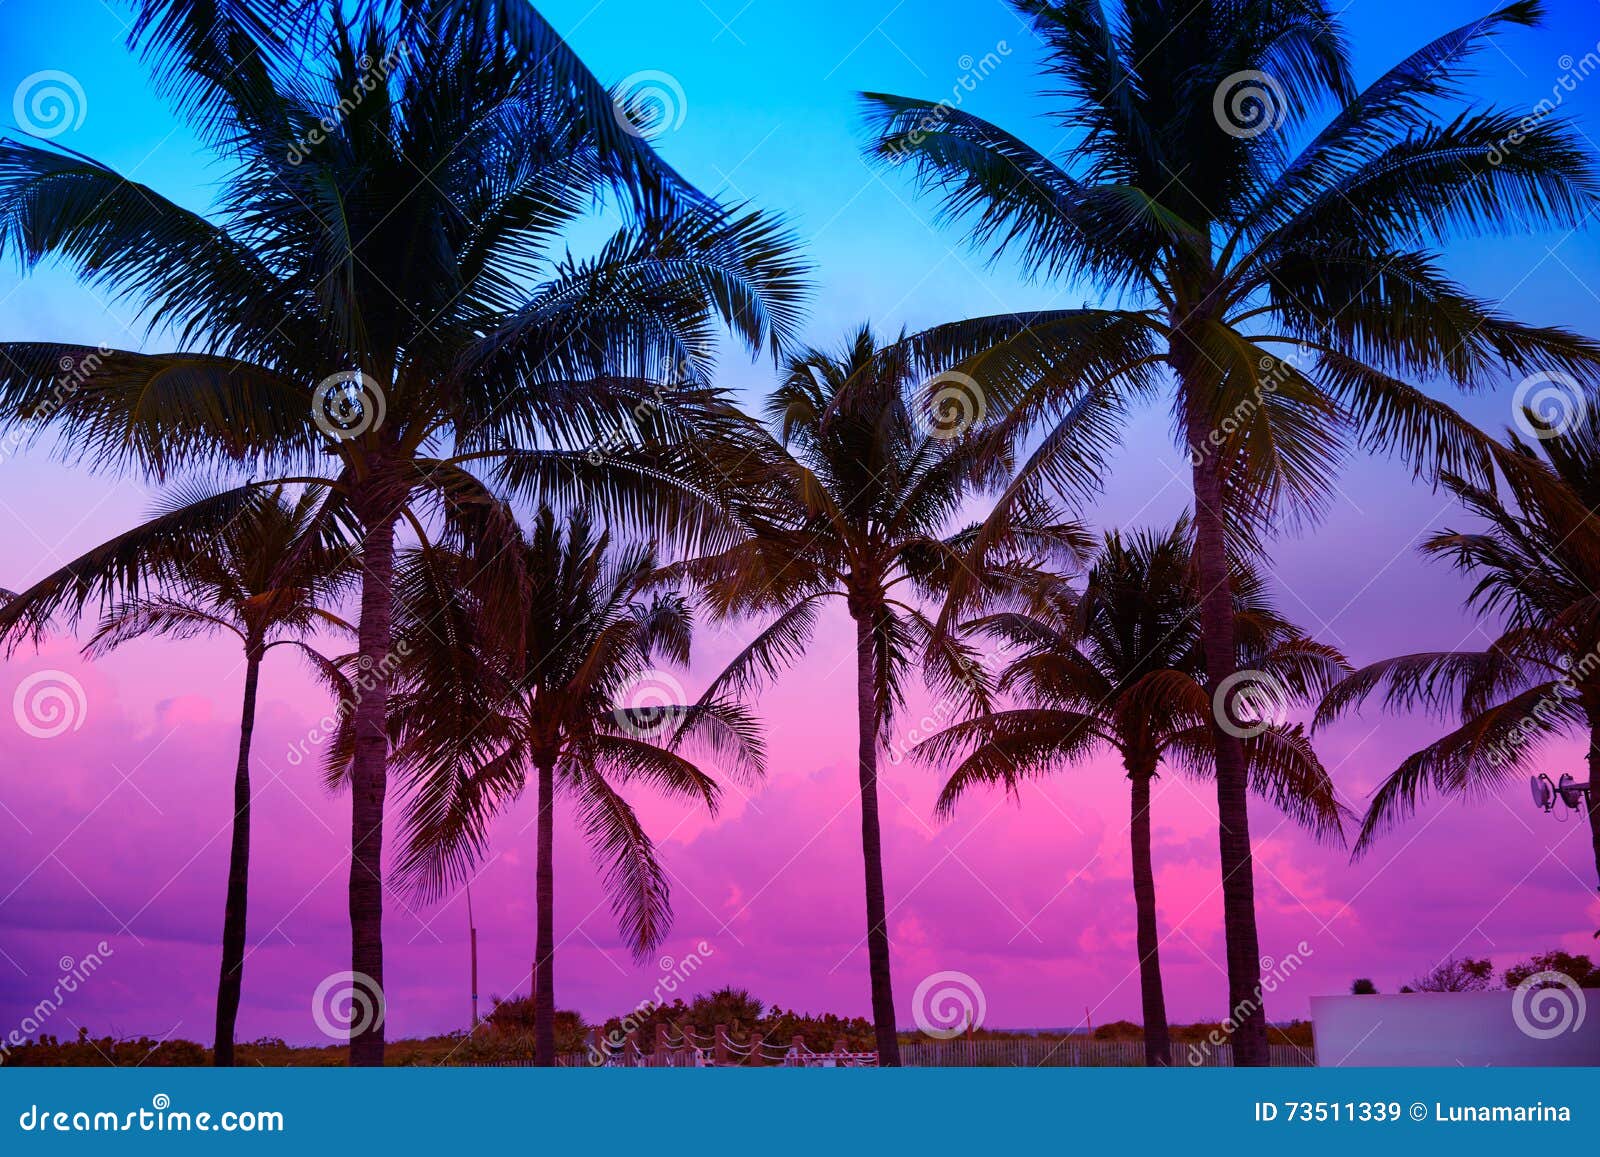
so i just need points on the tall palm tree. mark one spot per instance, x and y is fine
(260, 576)
(1536, 565)
(859, 501)
(383, 292)
(1283, 300)
(544, 666)
(1119, 666)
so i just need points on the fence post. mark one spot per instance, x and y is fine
(720, 1049)
(661, 1043)
(799, 1047)
(634, 1054)
(597, 1039)
(756, 1058)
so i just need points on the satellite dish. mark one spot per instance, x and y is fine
(1571, 792)
(1544, 792)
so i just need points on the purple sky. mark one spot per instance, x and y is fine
(116, 830)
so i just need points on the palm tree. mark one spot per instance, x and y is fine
(1536, 565)
(1284, 300)
(1119, 666)
(262, 577)
(383, 291)
(544, 665)
(859, 498)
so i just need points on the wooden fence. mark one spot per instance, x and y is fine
(1079, 1052)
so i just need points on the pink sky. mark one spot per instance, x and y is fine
(117, 831)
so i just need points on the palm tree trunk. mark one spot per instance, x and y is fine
(544, 964)
(868, 715)
(1246, 1012)
(233, 914)
(1157, 1041)
(376, 506)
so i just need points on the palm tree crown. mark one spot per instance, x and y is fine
(859, 496)
(549, 662)
(1118, 666)
(1536, 562)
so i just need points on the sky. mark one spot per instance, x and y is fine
(115, 831)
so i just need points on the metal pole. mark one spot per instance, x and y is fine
(472, 931)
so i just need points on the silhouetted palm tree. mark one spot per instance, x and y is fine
(262, 575)
(547, 664)
(1536, 566)
(859, 501)
(1280, 299)
(1119, 666)
(383, 289)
